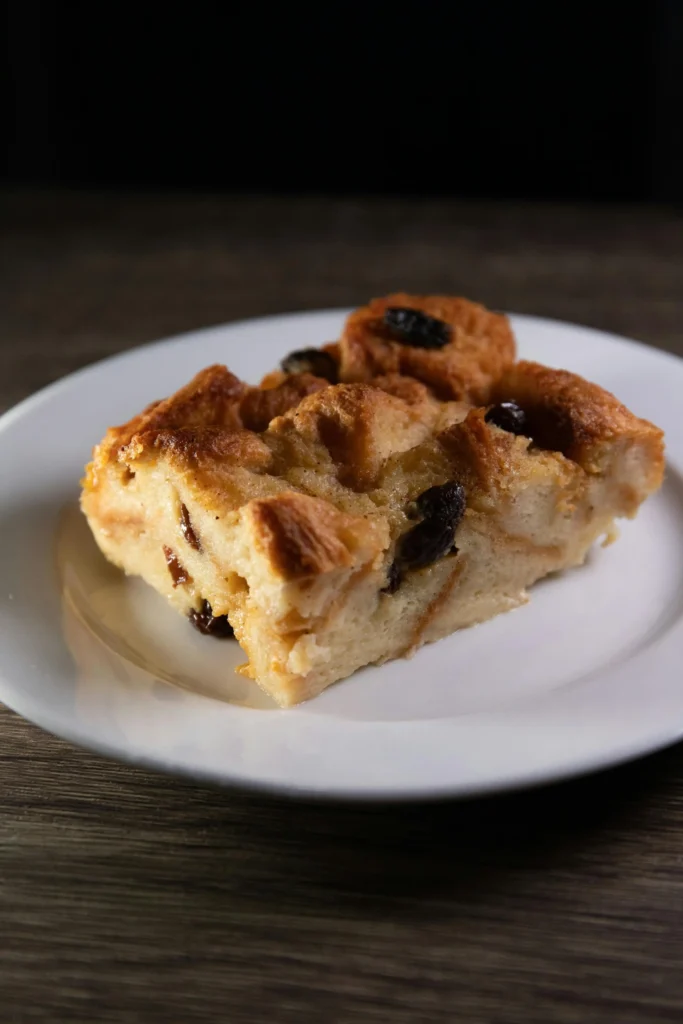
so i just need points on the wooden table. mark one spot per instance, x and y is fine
(125, 896)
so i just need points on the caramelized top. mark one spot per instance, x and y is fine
(323, 471)
(479, 348)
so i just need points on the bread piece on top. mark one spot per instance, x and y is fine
(458, 348)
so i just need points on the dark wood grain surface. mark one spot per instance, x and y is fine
(126, 896)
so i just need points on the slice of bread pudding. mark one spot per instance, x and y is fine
(371, 496)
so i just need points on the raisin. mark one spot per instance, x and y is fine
(442, 507)
(311, 360)
(508, 416)
(209, 624)
(178, 573)
(445, 502)
(393, 579)
(187, 530)
(412, 327)
(425, 543)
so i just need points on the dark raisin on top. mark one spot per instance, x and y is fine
(426, 543)
(179, 573)
(209, 624)
(445, 502)
(413, 327)
(311, 360)
(442, 507)
(187, 530)
(508, 416)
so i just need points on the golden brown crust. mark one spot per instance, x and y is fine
(199, 446)
(581, 420)
(261, 405)
(358, 426)
(481, 348)
(273, 379)
(409, 390)
(303, 536)
(493, 464)
(211, 399)
(481, 453)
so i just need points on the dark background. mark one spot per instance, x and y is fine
(572, 101)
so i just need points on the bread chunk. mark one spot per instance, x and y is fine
(335, 525)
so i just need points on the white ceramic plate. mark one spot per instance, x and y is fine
(586, 675)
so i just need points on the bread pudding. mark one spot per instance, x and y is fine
(369, 496)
